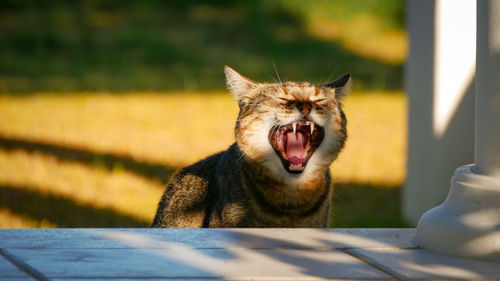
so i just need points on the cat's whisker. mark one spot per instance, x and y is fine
(277, 74)
(275, 128)
(282, 91)
(330, 77)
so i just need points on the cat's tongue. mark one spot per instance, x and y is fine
(295, 150)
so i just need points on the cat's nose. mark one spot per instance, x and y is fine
(304, 108)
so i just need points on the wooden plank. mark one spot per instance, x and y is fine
(238, 263)
(411, 264)
(10, 271)
(208, 238)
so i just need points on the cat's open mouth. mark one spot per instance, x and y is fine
(295, 143)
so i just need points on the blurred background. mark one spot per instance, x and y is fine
(102, 100)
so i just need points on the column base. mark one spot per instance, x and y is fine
(467, 224)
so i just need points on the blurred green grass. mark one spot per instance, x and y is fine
(181, 45)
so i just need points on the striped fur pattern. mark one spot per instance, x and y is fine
(248, 185)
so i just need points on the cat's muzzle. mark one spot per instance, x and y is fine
(295, 143)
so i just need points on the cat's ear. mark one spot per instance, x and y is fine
(342, 86)
(238, 84)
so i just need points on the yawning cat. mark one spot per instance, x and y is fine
(276, 174)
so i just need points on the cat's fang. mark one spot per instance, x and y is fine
(311, 124)
(294, 125)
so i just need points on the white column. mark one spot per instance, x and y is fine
(468, 222)
(487, 142)
(440, 89)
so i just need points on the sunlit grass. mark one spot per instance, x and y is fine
(9, 219)
(375, 151)
(363, 34)
(174, 130)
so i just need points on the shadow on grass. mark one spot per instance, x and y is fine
(104, 160)
(63, 211)
(366, 205)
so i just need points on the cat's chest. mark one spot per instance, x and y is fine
(252, 209)
(265, 219)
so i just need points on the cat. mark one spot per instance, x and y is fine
(277, 173)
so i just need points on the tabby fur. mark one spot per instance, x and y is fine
(248, 185)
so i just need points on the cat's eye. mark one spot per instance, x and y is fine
(320, 101)
(284, 101)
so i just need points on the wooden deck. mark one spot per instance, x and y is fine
(229, 254)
